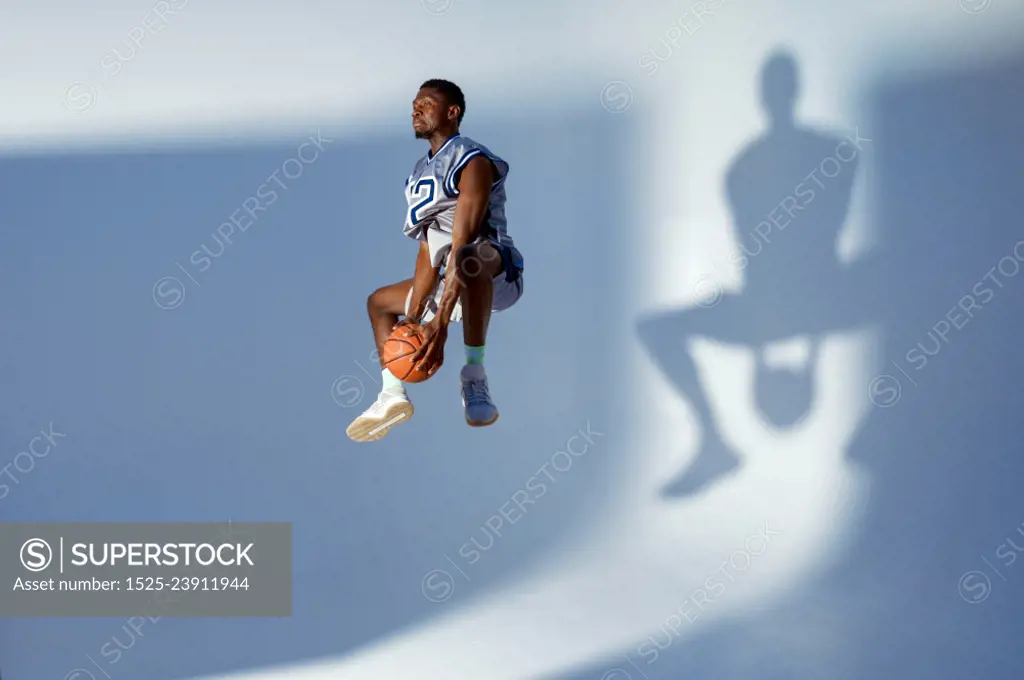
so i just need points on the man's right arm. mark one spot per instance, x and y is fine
(423, 281)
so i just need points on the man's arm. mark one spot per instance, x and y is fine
(475, 185)
(423, 280)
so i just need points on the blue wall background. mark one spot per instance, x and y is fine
(224, 407)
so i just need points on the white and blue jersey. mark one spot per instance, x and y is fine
(431, 192)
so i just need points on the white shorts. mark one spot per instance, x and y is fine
(506, 294)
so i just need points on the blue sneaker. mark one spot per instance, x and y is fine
(480, 410)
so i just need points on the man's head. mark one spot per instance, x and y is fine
(438, 108)
(779, 87)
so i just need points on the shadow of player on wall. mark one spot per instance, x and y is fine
(789, 192)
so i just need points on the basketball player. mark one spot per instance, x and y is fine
(466, 267)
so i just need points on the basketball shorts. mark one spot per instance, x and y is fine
(508, 288)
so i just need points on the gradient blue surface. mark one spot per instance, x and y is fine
(223, 407)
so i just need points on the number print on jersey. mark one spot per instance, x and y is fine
(424, 190)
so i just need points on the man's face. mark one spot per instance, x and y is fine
(429, 112)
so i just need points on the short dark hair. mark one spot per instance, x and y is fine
(452, 93)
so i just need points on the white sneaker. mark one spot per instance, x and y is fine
(480, 410)
(391, 408)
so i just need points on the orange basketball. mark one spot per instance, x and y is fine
(397, 354)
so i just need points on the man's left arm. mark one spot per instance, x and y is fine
(475, 183)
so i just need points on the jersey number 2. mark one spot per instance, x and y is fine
(424, 190)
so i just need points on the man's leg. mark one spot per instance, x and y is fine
(392, 405)
(384, 307)
(662, 334)
(478, 265)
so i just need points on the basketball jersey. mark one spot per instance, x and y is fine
(433, 188)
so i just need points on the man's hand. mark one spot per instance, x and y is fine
(430, 355)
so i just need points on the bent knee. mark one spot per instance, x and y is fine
(386, 300)
(375, 299)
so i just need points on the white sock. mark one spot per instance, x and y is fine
(390, 381)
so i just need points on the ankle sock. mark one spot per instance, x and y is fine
(390, 381)
(474, 355)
